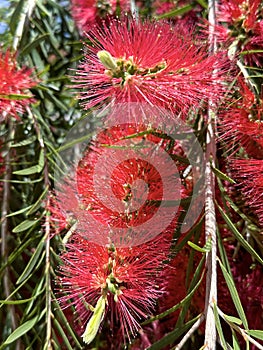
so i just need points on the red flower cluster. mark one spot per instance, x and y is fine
(100, 277)
(151, 62)
(86, 13)
(241, 122)
(120, 285)
(244, 26)
(15, 82)
(249, 175)
(105, 174)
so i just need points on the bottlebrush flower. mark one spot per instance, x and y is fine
(119, 189)
(249, 175)
(88, 12)
(126, 172)
(152, 62)
(15, 82)
(242, 124)
(119, 285)
(244, 26)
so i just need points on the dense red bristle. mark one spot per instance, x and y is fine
(14, 81)
(170, 69)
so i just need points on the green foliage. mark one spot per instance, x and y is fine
(49, 45)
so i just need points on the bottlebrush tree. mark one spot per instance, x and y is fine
(131, 167)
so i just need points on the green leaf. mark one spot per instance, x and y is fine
(94, 322)
(172, 336)
(17, 302)
(63, 335)
(21, 330)
(238, 235)
(222, 252)
(28, 171)
(20, 211)
(41, 160)
(235, 341)
(24, 142)
(176, 12)
(234, 294)
(177, 306)
(32, 262)
(35, 168)
(24, 225)
(256, 333)
(233, 319)
(14, 21)
(205, 249)
(28, 48)
(203, 3)
(219, 328)
(222, 176)
(16, 97)
(194, 281)
(38, 203)
(43, 9)
(60, 315)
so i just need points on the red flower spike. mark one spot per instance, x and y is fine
(249, 175)
(151, 62)
(14, 85)
(118, 190)
(245, 23)
(120, 284)
(86, 13)
(242, 122)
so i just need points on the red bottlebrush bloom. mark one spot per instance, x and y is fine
(88, 12)
(15, 82)
(117, 284)
(245, 24)
(152, 62)
(249, 175)
(120, 189)
(242, 124)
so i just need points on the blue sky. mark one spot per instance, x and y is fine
(3, 3)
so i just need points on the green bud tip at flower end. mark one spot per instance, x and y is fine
(107, 60)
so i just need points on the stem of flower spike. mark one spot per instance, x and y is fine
(210, 218)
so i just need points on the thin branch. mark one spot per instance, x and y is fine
(48, 345)
(24, 16)
(191, 331)
(240, 330)
(210, 218)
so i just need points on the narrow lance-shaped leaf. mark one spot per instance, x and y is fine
(95, 321)
(21, 330)
(234, 295)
